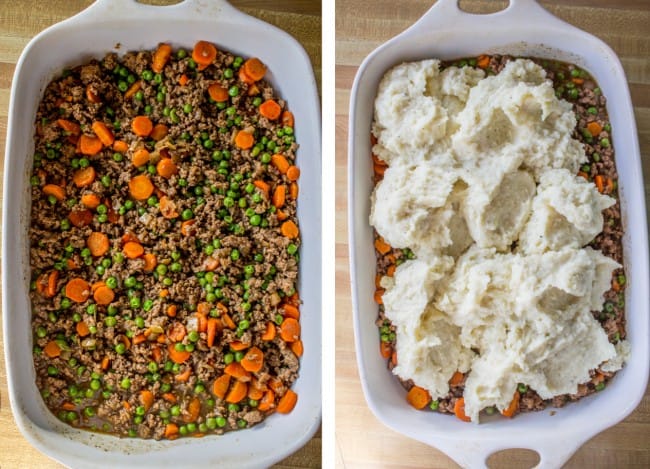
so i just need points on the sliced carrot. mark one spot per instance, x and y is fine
(238, 345)
(141, 126)
(261, 185)
(176, 356)
(456, 379)
(237, 371)
(512, 409)
(120, 146)
(169, 397)
(183, 80)
(287, 402)
(139, 339)
(269, 333)
(160, 57)
(386, 349)
(68, 406)
(52, 349)
(159, 132)
(254, 391)
(243, 76)
(218, 92)
(171, 430)
(82, 329)
(103, 133)
(253, 360)
(418, 397)
(141, 187)
(89, 145)
(184, 376)
(150, 262)
(84, 177)
(270, 109)
(193, 410)
(287, 119)
(227, 321)
(186, 227)
(166, 168)
(164, 293)
(133, 89)
(293, 173)
(221, 385)
(237, 392)
(390, 271)
(483, 61)
(140, 157)
(290, 311)
(255, 69)
(129, 237)
(290, 330)
(204, 53)
(212, 326)
(253, 90)
(382, 246)
(172, 310)
(289, 229)
(279, 196)
(459, 410)
(80, 218)
(280, 162)
(293, 191)
(167, 207)
(133, 250)
(281, 215)
(379, 292)
(176, 332)
(594, 128)
(599, 180)
(267, 402)
(104, 295)
(69, 126)
(57, 191)
(106, 363)
(297, 348)
(146, 398)
(90, 200)
(244, 140)
(98, 243)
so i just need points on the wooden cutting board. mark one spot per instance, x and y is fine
(19, 22)
(362, 25)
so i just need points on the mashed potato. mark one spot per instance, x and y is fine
(481, 186)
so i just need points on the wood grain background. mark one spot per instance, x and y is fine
(19, 22)
(361, 25)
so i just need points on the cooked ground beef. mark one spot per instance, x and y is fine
(580, 89)
(164, 245)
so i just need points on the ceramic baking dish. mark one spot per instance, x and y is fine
(123, 25)
(526, 29)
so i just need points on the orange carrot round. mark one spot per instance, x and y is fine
(513, 407)
(150, 262)
(166, 168)
(289, 229)
(80, 218)
(237, 371)
(84, 177)
(90, 145)
(255, 69)
(221, 385)
(103, 295)
(243, 76)
(133, 250)
(146, 398)
(269, 333)
(290, 330)
(267, 402)
(98, 243)
(293, 191)
(297, 348)
(418, 397)
(142, 126)
(140, 157)
(293, 173)
(253, 360)
(57, 191)
(160, 57)
(167, 207)
(459, 410)
(287, 119)
(90, 200)
(176, 356)
(141, 187)
(52, 349)
(78, 290)
(279, 196)
(287, 402)
(69, 126)
(120, 146)
(159, 132)
(244, 140)
(270, 109)
(237, 392)
(103, 133)
(218, 92)
(280, 162)
(204, 53)
(290, 311)
(212, 327)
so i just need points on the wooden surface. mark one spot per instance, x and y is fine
(19, 22)
(361, 440)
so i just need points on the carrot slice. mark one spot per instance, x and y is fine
(176, 356)
(133, 250)
(171, 431)
(183, 80)
(269, 333)
(287, 119)
(69, 126)
(238, 345)
(204, 53)
(98, 243)
(133, 89)
(290, 330)
(287, 402)
(166, 168)
(120, 146)
(456, 379)
(290, 311)
(46, 284)
(78, 290)
(150, 262)
(594, 128)
(57, 191)
(244, 140)
(146, 398)
(186, 227)
(255, 69)
(261, 185)
(237, 392)
(160, 57)
(459, 410)
(90, 200)
(142, 126)
(176, 332)
(280, 162)
(141, 187)
(104, 295)
(253, 360)
(90, 145)
(103, 133)
(279, 196)
(193, 410)
(293, 173)
(382, 246)
(293, 191)
(385, 349)
(483, 61)
(159, 132)
(167, 207)
(237, 371)
(82, 329)
(140, 157)
(184, 376)
(221, 385)
(289, 229)
(212, 327)
(80, 218)
(267, 402)
(84, 177)
(218, 92)
(297, 348)
(418, 397)
(52, 349)
(243, 76)
(270, 109)
(512, 409)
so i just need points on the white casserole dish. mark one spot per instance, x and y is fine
(90, 34)
(524, 29)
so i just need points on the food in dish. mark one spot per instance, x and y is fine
(164, 245)
(485, 279)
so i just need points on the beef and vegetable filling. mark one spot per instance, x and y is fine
(593, 130)
(165, 245)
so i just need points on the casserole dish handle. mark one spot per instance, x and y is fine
(447, 12)
(187, 9)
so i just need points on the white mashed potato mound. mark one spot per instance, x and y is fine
(481, 186)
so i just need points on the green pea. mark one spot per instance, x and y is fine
(600, 386)
(147, 305)
(255, 220)
(122, 86)
(191, 63)
(147, 75)
(266, 158)
(187, 214)
(233, 91)
(110, 321)
(125, 383)
(134, 301)
(120, 349)
(434, 405)
(239, 356)
(257, 101)
(181, 53)
(592, 110)
(118, 157)
(174, 117)
(604, 142)
(187, 108)
(292, 249)
(175, 411)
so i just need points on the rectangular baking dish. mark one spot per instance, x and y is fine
(123, 25)
(525, 29)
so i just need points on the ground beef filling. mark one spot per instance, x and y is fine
(593, 130)
(164, 245)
